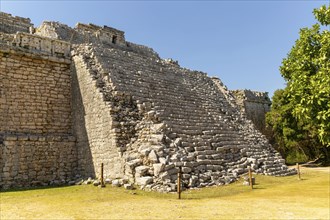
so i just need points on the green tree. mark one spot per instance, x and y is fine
(300, 115)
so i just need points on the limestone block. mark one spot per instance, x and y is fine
(158, 168)
(186, 169)
(128, 186)
(172, 135)
(145, 149)
(153, 156)
(134, 163)
(96, 182)
(193, 181)
(142, 181)
(156, 138)
(162, 160)
(141, 170)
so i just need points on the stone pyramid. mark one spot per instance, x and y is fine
(145, 117)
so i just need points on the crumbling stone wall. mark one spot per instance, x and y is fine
(37, 145)
(90, 33)
(10, 24)
(254, 105)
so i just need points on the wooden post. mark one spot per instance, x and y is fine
(250, 177)
(298, 170)
(102, 179)
(179, 183)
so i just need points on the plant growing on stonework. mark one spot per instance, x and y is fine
(300, 115)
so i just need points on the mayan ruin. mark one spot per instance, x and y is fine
(73, 98)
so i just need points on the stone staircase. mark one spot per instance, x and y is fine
(140, 116)
(169, 117)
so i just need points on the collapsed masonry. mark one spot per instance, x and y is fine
(73, 98)
(255, 105)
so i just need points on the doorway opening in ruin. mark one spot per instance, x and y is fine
(114, 39)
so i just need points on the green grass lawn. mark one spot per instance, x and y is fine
(272, 198)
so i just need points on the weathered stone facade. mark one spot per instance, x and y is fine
(73, 98)
(10, 24)
(254, 105)
(37, 145)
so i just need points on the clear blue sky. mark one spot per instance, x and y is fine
(241, 42)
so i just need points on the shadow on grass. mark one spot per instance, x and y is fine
(32, 188)
(258, 188)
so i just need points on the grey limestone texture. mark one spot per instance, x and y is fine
(73, 98)
(10, 24)
(254, 105)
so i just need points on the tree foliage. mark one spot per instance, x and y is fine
(300, 115)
